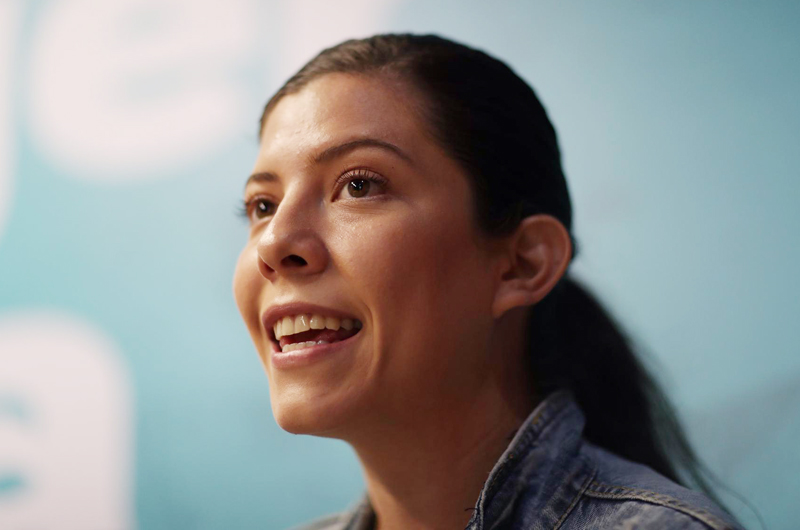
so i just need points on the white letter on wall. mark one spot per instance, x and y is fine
(66, 435)
(10, 14)
(136, 88)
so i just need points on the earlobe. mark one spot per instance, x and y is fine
(537, 256)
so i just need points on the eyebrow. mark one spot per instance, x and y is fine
(336, 151)
(339, 150)
(263, 176)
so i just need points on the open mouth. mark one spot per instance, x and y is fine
(304, 331)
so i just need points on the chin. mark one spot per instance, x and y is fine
(297, 420)
(323, 399)
(298, 413)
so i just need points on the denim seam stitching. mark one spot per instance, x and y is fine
(655, 498)
(575, 501)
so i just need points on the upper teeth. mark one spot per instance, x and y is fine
(300, 323)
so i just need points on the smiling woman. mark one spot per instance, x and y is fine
(405, 285)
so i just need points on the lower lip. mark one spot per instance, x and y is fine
(307, 356)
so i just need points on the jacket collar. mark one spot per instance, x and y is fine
(541, 469)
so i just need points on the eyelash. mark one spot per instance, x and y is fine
(245, 208)
(359, 174)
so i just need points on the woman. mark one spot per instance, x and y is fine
(405, 285)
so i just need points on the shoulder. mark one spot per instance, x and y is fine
(627, 495)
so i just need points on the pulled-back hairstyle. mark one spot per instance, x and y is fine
(488, 119)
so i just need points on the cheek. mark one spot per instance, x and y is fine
(425, 282)
(247, 288)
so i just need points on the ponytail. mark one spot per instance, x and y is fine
(576, 345)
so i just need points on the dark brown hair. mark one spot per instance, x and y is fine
(490, 120)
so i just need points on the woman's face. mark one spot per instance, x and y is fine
(356, 213)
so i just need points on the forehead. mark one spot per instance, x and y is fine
(340, 107)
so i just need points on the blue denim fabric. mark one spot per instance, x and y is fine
(551, 478)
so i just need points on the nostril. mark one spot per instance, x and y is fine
(294, 261)
(265, 269)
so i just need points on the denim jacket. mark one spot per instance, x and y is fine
(551, 478)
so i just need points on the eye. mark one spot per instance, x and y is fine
(358, 187)
(257, 208)
(360, 183)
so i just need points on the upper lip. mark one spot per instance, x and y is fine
(276, 312)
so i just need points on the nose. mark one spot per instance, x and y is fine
(290, 246)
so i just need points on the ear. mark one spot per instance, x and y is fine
(537, 256)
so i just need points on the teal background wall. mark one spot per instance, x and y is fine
(130, 394)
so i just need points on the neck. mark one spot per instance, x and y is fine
(424, 470)
(431, 478)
